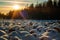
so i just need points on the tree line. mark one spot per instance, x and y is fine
(45, 10)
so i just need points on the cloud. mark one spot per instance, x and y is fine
(16, 0)
(5, 2)
(13, 2)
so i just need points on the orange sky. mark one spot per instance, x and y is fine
(5, 10)
(6, 5)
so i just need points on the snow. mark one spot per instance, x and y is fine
(29, 30)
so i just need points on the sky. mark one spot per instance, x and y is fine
(6, 5)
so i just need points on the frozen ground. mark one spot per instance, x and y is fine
(29, 29)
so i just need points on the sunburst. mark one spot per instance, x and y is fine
(16, 7)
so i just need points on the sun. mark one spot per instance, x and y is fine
(16, 7)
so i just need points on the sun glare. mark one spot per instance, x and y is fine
(16, 7)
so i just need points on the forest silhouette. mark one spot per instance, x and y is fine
(45, 11)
